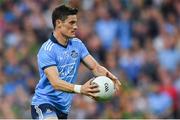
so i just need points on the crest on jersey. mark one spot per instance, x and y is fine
(74, 54)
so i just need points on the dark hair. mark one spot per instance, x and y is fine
(61, 12)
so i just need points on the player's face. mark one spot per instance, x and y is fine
(69, 26)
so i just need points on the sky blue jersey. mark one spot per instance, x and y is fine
(67, 59)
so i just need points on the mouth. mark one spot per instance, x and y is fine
(73, 32)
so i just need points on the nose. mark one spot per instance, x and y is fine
(75, 27)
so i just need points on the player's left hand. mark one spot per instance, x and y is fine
(115, 80)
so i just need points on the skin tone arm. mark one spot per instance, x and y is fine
(58, 84)
(99, 70)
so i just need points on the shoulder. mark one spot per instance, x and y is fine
(76, 40)
(48, 46)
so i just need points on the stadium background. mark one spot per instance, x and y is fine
(138, 40)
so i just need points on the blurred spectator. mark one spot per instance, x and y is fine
(160, 103)
(131, 61)
(168, 87)
(106, 24)
(125, 30)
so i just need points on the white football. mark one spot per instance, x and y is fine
(106, 87)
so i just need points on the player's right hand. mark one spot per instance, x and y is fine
(90, 89)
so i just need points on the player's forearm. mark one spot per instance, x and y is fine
(57, 83)
(94, 66)
(66, 87)
(100, 71)
(63, 86)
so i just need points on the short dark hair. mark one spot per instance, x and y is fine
(61, 12)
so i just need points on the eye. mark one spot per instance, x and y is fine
(72, 22)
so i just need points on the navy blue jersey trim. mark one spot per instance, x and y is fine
(54, 40)
(48, 66)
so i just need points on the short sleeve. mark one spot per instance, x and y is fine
(84, 51)
(46, 59)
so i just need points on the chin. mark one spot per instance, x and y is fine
(72, 36)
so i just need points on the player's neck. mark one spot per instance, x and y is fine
(60, 38)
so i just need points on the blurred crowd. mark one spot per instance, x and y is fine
(137, 40)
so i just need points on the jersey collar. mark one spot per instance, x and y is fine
(54, 40)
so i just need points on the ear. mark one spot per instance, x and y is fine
(58, 23)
